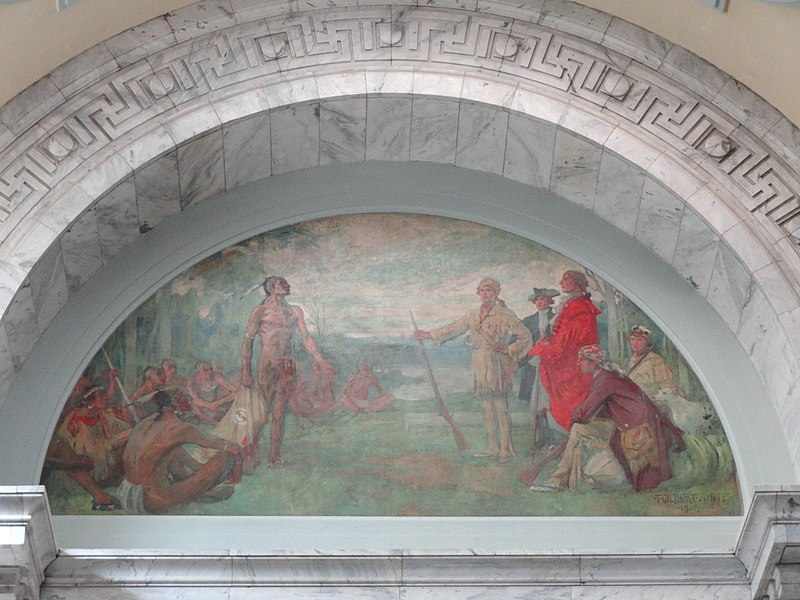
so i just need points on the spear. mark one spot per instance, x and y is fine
(116, 377)
(461, 440)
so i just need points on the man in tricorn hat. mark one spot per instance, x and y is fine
(540, 325)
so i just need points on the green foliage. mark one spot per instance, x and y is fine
(390, 464)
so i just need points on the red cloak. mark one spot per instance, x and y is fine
(574, 327)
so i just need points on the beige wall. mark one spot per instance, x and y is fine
(756, 42)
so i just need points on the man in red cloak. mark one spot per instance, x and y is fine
(574, 327)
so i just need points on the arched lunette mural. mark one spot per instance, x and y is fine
(318, 400)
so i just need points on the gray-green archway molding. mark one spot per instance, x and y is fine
(654, 146)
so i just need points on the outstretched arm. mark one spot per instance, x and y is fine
(310, 344)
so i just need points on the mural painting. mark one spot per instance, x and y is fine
(389, 364)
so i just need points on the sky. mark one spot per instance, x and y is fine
(368, 271)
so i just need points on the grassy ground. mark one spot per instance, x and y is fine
(382, 464)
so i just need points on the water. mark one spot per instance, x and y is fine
(450, 379)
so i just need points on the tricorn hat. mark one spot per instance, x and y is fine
(543, 293)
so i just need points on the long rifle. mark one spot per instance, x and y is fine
(461, 440)
(535, 403)
(529, 475)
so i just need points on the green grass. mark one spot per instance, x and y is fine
(376, 464)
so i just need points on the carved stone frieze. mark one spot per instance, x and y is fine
(542, 57)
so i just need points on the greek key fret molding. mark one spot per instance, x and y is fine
(278, 47)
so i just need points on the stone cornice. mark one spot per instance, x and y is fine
(27, 544)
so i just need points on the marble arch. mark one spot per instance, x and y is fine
(165, 116)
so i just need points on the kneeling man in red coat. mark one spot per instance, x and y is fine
(640, 436)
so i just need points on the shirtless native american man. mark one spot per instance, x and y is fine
(277, 321)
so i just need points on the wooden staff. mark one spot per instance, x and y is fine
(116, 378)
(461, 440)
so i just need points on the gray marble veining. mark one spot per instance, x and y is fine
(6, 367)
(198, 19)
(80, 248)
(295, 138)
(158, 192)
(529, 11)
(730, 287)
(388, 82)
(770, 278)
(136, 593)
(342, 130)
(248, 151)
(522, 592)
(22, 328)
(137, 42)
(692, 71)
(481, 138)
(388, 128)
(310, 570)
(31, 105)
(619, 192)
(636, 42)
(654, 568)
(695, 251)
(785, 138)
(48, 281)
(529, 150)
(84, 69)
(249, 10)
(201, 169)
(27, 245)
(520, 570)
(316, 593)
(750, 251)
(575, 18)
(750, 109)
(105, 175)
(434, 123)
(576, 164)
(659, 220)
(662, 592)
(763, 340)
(117, 219)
